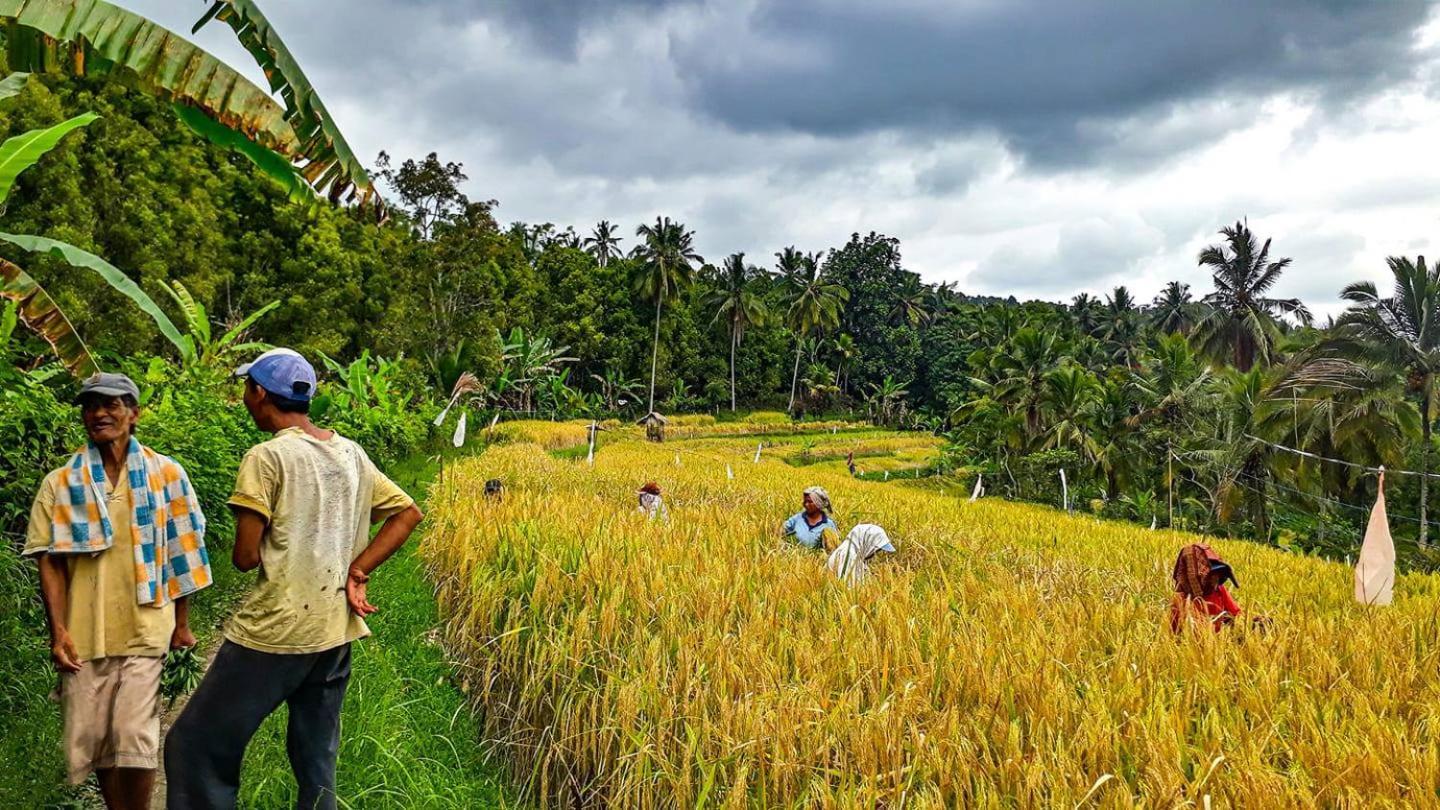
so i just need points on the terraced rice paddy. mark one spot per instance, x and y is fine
(1007, 656)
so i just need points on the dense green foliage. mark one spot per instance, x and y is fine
(1161, 426)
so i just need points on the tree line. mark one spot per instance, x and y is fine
(1168, 410)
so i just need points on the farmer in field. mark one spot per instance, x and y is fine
(120, 541)
(651, 503)
(1200, 594)
(304, 502)
(850, 561)
(811, 526)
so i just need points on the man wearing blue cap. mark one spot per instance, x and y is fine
(304, 502)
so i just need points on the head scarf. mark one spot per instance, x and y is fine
(821, 497)
(849, 560)
(1193, 567)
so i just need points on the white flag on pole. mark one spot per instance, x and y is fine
(459, 437)
(1064, 492)
(1375, 570)
(887, 475)
(1152, 522)
(757, 452)
(729, 473)
(979, 488)
(590, 458)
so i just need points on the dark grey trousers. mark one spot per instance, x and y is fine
(204, 748)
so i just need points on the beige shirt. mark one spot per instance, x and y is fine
(102, 614)
(319, 498)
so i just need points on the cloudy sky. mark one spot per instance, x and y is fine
(1033, 147)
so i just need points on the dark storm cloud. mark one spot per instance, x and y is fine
(1050, 77)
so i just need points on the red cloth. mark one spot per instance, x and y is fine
(1216, 603)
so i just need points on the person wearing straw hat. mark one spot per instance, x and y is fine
(651, 504)
(812, 526)
(120, 541)
(304, 502)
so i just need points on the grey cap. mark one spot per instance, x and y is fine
(108, 385)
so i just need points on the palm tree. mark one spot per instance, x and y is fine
(666, 253)
(1174, 309)
(846, 351)
(735, 300)
(1243, 326)
(1401, 334)
(1069, 397)
(813, 303)
(1085, 310)
(1122, 330)
(912, 302)
(603, 242)
(1020, 368)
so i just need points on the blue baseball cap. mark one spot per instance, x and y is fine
(282, 372)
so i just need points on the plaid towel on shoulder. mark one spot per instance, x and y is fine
(168, 526)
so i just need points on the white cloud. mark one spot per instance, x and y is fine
(610, 128)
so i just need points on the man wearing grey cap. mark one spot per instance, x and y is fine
(304, 502)
(120, 541)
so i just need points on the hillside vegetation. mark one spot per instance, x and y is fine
(1008, 655)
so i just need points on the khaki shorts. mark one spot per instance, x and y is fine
(112, 715)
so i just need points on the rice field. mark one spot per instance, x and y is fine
(1008, 655)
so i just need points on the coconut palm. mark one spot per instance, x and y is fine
(1400, 333)
(1086, 312)
(1244, 324)
(1122, 327)
(1174, 310)
(603, 242)
(1020, 368)
(736, 302)
(813, 303)
(667, 257)
(1069, 396)
(912, 302)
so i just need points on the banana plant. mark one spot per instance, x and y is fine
(296, 143)
(198, 347)
(33, 305)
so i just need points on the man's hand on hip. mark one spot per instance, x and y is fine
(355, 593)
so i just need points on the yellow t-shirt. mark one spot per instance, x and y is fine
(102, 614)
(319, 498)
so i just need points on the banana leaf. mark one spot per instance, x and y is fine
(11, 85)
(22, 151)
(39, 312)
(270, 163)
(95, 38)
(332, 164)
(112, 275)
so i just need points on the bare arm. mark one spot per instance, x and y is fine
(53, 587)
(182, 637)
(249, 531)
(392, 535)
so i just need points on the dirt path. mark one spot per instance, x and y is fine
(167, 719)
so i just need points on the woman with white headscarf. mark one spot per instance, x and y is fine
(850, 561)
(810, 525)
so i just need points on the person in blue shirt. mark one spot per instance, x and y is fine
(809, 526)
